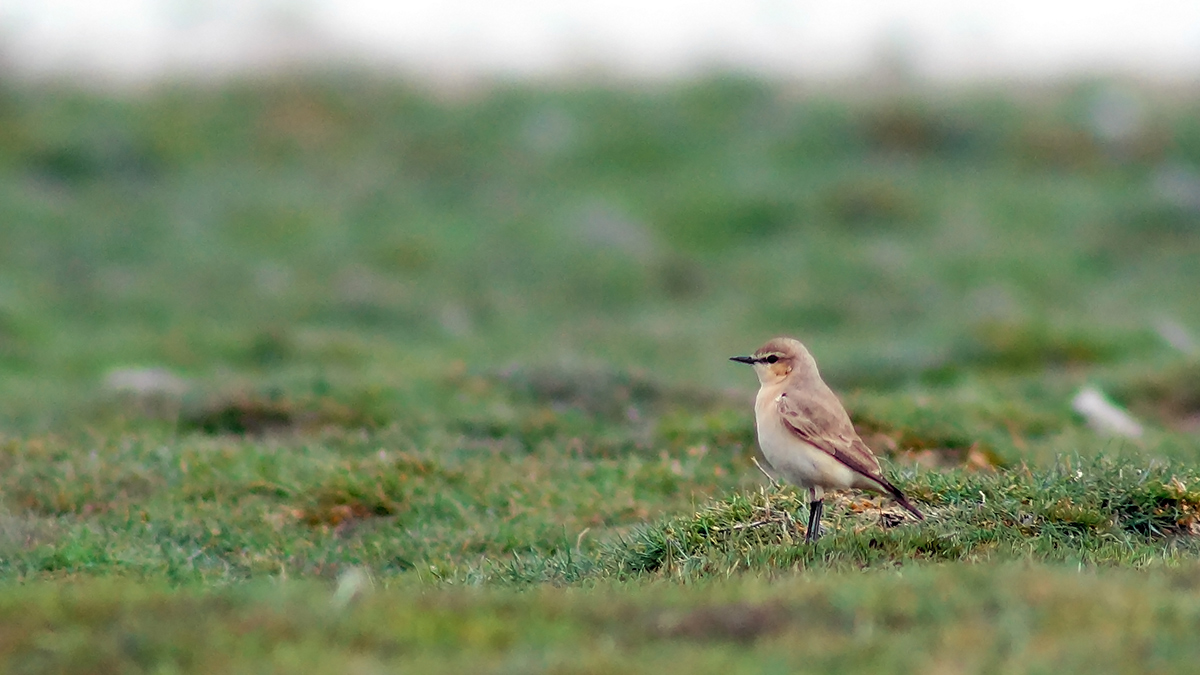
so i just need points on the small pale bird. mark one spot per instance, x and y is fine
(805, 433)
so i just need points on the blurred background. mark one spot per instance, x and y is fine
(350, 198)
(938, 39)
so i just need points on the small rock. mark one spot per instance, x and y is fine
(351, 584)
(1177, 335)
(145, 382)
(1105, 416)
(1177, 184)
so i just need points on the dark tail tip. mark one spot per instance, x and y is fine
(902, 500)
(908, 506)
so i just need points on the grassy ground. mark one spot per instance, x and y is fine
(953, 618)
(466, 353)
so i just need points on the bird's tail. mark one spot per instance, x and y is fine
(901, 499)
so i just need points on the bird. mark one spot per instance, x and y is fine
(806, 435)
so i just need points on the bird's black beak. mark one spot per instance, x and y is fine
(743, 359)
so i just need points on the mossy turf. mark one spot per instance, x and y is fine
(335, 373)
(961, 618)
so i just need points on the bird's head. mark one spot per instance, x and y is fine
(779, 359)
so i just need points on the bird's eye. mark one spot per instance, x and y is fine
(772, 358)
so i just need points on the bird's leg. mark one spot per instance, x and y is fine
(814, 521)
(815, 506)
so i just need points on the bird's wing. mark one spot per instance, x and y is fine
(823, 423)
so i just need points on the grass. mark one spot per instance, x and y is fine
(1093, 515)
(332, 373)
(958, 617)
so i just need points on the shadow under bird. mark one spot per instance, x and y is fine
(805, 433)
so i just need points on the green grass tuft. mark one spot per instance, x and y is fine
(1099, 513)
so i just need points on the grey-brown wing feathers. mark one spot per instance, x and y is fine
(825, 425)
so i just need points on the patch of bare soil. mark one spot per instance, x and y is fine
(910, 447)
(1171, 396)
(251, 415)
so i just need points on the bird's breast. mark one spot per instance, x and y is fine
(797, 461)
